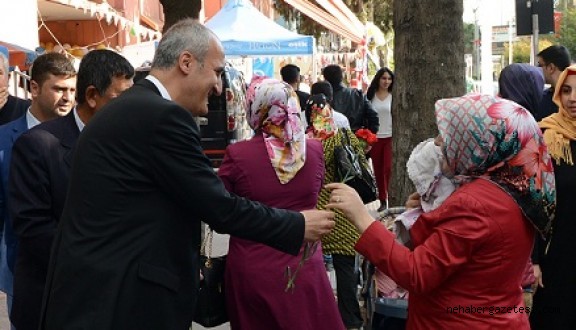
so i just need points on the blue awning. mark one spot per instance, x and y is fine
(245, 31)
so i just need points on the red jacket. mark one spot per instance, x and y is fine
(469, 258)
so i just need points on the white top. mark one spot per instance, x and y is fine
(340, 120)
(384, 110)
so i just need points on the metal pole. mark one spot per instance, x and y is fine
(535, 33)
(510, 44)
(476, 46)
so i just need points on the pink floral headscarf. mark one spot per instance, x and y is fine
(274, 110)
(497, 139)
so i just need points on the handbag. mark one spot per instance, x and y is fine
(211, 303)
(350, 170)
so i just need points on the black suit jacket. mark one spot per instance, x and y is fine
(40, 166)
(13, 109)
(125, 255)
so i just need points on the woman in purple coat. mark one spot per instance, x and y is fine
(281, 168)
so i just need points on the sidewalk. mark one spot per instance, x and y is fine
(4, 321)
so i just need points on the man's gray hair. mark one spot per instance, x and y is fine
(5, 64)
(186, 35)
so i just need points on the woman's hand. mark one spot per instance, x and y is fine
(346, 199)
(413, 201)
(538, 275)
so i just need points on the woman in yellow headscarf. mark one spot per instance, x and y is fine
(554, 301)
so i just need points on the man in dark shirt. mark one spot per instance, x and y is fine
(553, 60)
(291, 75)
(11, 107)
(350, 101)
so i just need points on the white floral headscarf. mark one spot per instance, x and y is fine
(274, 110)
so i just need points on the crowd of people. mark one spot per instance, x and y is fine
(104, 186)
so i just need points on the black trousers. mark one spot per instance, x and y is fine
(347, 279)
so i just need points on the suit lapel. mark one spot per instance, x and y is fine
(20, 126)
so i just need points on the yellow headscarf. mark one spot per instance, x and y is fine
(560, 128)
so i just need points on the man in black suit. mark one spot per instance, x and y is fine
(11, 107)
(40, 167)
(125, 255)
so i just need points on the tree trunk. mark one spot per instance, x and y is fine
(175, 10)
(429, 58)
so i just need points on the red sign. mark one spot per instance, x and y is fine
(557, 22)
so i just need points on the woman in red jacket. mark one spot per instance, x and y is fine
(469, 254)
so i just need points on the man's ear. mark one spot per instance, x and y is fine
(186, 62)
(34, 88)
(90, 96)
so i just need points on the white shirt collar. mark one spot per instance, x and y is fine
(31, 121)
(78, 121)
(158, 84)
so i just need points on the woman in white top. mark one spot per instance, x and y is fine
(380, 95)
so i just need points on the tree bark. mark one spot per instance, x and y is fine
(175, 10)
(429, 65)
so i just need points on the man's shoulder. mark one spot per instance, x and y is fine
(302, 94)
(16, 123)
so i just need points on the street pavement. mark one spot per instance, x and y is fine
(4, 321)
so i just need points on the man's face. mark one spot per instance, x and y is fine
(206, 79)
(547, 69)
(118, 85)
(3, 74)
(55, 98)
(3, 84)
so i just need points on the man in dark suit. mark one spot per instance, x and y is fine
(11, 107)
(53, 83)
(125, 255)
(41, 160)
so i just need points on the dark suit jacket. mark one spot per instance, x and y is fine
(125, 255)
(8, 134)
(14, 108)
(40, 166)
(302, 98)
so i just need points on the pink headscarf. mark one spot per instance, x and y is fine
(274, 110)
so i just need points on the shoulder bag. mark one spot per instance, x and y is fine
(353, 172)
(211, 303)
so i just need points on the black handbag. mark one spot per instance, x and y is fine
(350, 170)
(211, 303)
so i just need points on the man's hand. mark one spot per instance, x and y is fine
(317, 224)
(3, 96)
